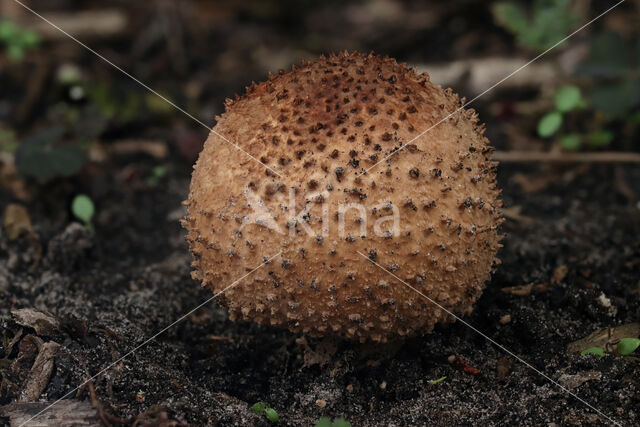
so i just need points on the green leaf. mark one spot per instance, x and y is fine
(567, 98)
(598, 351)
(271, 415)
(33, 156)
(323, 422)
(30, 38)
(607, 56)
(600, 138)
(7, 30)
(341, 422)
(259, 408)
(615, 99)
(570, 142)
(82, 208)
(628, 345)
(432, 382)
(67, 160)
(510, 16)
(549, 124)
(8, 141)
(15, 52)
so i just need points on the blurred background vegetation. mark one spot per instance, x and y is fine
(64, 112)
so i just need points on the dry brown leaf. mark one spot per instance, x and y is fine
(17, 222)
(524, 290)
(559, 274)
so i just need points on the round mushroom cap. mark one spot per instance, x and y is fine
(325, 177)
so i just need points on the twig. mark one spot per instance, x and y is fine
(563, 157)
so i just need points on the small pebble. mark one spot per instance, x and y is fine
(505, 319)
(383, 385)
(321, 403)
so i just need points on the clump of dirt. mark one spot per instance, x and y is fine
(110, 289)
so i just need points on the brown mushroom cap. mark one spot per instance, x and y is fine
(318, 128)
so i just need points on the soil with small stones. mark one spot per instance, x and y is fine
(113, 289)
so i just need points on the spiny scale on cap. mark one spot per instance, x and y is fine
(320, 126)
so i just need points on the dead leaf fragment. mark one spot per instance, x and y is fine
(40, 372)
(321, 355)
(559, 274)
(503, 367)
(44, 323)
(461, 364)
(17, 222)
(525, 290)
(600, 337)
(575, 381)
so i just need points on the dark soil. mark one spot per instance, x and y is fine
(113, 289)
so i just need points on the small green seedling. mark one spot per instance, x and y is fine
(549, 124)
(626, 346)
(82, 208)
(539, 28)
(17, 40)
(271, 415)
(261, 408)
(620, 347)
(567, 100)
(598, 351)
(432, 382)
(156, 175)
(338, 422)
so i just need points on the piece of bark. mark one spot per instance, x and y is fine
(44, 323)
(85, 25)
(69, 412)
(40, 372)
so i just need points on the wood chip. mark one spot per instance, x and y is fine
(43, 323)
(17, 222)
(575, 381)
(66, 412)
(503, 367)
(40, 373)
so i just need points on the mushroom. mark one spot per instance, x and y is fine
(329, 163)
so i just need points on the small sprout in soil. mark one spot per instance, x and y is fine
(82, 208)
(259, 408)
(623, 347)
(140, 396)
(598, 351)
(432, 382)
(271, 415)
(626, 346)
(156, 175)
(338, 422)
(568, 98)
(549, 124)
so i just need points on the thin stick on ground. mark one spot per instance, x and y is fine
(565, 157)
